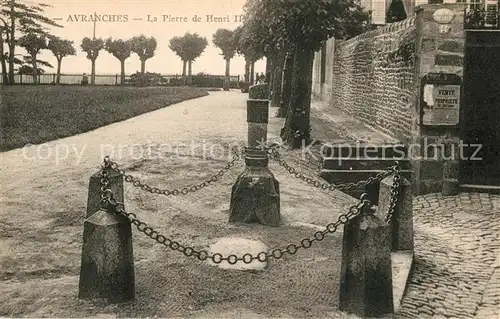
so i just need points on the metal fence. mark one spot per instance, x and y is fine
(102, 79)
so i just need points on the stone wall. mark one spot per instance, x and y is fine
(373, 78)
(377, 78)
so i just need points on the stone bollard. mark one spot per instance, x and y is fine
(259, 91)
(366, 271)
(94, 196)
(450, 178)
(402, 217)
(255, 196)
(107, 269)
(257, 119)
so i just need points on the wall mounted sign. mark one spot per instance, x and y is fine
(440, 99)
(443, 16)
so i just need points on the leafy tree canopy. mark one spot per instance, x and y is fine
(92, 47)
(223, 39)
(188, 47)
(306, 23)
(33, 43)
(143, 46)
(30, 17)
(120, 49)
(61, 48)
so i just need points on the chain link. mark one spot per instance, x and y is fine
(395, 188)
(327, 186)
(106, 193)
(276, 253)
(175, 192)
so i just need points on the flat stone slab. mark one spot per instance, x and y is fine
(238, 246)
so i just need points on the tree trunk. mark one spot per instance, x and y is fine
(247, 71)
(5, 77)
(226, 80)
(58, 76)
(268, 69)
(92, 73)
(287, 84)
(272, 75)
(143, 66)
(122, 72)
(296, 131)
(278, 79)
(190, 73)
(252, 73)
(12, 43)
(35, 70)
(184, 65)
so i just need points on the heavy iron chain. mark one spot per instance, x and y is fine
(232, 259)
(395, 188)
(106, 193)
(110, 204)
(183, 191)
(327, 186)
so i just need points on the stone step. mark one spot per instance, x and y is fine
(471, 188)
(397, 151)
(361, 164)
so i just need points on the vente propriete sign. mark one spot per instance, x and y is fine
(440, 99)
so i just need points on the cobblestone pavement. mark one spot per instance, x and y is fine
(457, 244)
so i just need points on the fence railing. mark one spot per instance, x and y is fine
(110, 79)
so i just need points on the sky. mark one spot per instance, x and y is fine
(138, 17)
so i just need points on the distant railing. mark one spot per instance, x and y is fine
(102, 79)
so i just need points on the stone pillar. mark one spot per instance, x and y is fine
(440, 52)
(107, 269)
(402, 218)
(257, 118)
(94, 195)
(255, 196)
(366, 273)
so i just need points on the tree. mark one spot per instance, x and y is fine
(92, 48)
(175, 44)
(304, 25)
(60, 48)
(188, 48)
(223, 39)
(33, 44)
(145, 48)
(120, 49)
(248, 45)
(19, 18)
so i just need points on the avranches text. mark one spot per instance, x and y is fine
(209, 18)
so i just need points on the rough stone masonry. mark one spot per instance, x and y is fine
(376, 78)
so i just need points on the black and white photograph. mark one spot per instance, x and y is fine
(250, 159)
